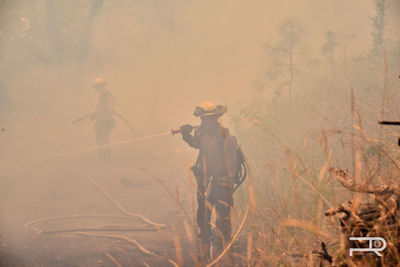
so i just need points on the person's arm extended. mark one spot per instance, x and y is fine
(192, 140)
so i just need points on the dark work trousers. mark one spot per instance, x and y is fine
(103, 128)
(217, 194)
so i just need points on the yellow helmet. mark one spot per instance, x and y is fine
(209, 109)
(208, 106)
(98, 82)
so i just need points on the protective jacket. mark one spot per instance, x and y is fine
(217, 151)
(105, 107)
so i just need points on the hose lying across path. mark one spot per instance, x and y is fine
(149, 222)
(29, 225)
(149, 225)
(125, 238)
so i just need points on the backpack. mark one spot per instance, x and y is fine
(242, 172)
(235, 160)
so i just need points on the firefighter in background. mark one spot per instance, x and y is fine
(217, 168)
(103, 117)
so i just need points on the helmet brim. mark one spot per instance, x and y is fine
(218, 112)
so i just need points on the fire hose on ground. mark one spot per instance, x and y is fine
(149, 225)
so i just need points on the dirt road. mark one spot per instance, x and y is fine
(61, 187)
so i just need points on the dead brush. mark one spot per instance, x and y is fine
(288, 222)
(380, 218)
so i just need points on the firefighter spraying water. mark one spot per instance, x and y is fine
(219, 166)
(219, 170)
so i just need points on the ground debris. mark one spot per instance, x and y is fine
(378, 219)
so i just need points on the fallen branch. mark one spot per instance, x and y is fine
(344, 179)
(380, 218)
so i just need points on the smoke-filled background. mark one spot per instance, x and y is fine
(305, 83)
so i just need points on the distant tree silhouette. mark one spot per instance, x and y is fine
(282, 54)
(378, 22)
(329, 48)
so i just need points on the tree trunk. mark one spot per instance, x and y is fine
(87, 33)
(53, 28)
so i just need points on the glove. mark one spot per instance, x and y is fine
(186, 129)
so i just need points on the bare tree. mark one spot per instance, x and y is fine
(284, 51)
(378, 22)
(84, 44)
(329, 49)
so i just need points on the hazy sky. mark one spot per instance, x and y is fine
(161, 58)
